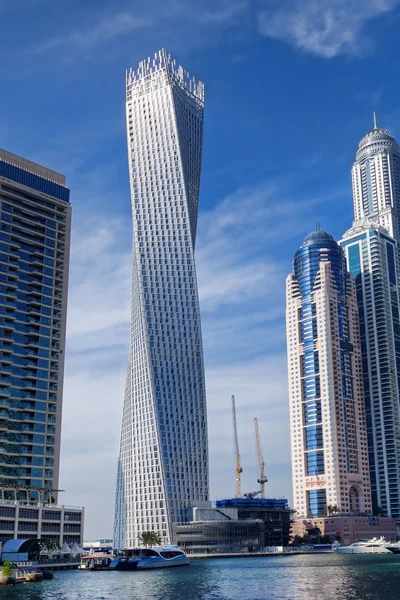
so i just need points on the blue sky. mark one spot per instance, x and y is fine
(290, 90)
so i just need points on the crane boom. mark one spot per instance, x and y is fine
(261, 464)
(238, 466)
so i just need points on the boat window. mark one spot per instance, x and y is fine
(147, 552)
(170, 554)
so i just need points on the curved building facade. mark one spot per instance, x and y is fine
(327, 415)
(163, 460)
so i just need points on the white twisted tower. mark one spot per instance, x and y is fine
(163, 460)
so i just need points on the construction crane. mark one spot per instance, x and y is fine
(252, 494)
(239, 469)
(261, 464)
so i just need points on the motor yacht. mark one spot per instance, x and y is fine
(374, 546)
(395, 548)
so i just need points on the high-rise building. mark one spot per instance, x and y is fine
(327, 414)
(35, 217)
(376, 180)
(163, 460)
(372, 257)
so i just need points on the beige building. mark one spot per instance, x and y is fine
(327, 414)
(348, 530)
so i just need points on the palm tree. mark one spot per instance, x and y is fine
(150, 538)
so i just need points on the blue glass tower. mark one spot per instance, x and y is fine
(35, 217)
(372, 257)
(328, 434)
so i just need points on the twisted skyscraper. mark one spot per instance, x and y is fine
(163, 460)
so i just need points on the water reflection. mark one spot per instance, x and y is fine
(329, 577)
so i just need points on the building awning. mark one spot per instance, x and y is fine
(21, 546)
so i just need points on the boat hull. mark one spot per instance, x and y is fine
(161, 564)
(363, 550)
(394, 549)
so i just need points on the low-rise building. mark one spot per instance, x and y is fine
(102, 545)
(346, 529)
(22, 521)
(234, 525)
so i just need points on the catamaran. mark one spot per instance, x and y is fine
(157, 557)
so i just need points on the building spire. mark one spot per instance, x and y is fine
(375, 125)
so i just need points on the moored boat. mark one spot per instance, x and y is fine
(95, 562)
(374, 546)
(158, 557)
(395, 548)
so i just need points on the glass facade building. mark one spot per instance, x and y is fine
(35, 217)
(372, 257)
(163, 460)
(328, 432)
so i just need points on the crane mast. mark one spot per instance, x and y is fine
(238, 466)
(261, 464)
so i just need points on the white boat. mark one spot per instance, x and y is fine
(374, 546)
(158, 557)
(395, 548)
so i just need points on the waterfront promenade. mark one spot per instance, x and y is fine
(300, 577)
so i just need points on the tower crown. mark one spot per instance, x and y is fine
(376, 135)
(375, 140)
(315, 237)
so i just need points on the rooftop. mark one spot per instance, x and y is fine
(32, 167)
(375, 135)
(317, 236)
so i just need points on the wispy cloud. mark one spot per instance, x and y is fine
(242, 288)
(101, 32)
(326, 28)
(161, 20)
(226, 14)
(236, 242)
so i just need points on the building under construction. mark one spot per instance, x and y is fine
(247, 523)
(235, 525)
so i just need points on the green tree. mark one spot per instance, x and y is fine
(7, 569)
(150, 538)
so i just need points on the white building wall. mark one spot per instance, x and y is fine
(163, 463)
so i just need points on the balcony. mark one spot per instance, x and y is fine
(29, 375)
(35, 301)
(32, 344)
(11, 305)
(29, 364)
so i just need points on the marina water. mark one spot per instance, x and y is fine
(307, 577)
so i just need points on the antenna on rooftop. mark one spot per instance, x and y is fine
(317, 226)
(375, 125)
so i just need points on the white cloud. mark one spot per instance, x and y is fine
(260, 389)
(226, 14)
(242, 290)
(99, 33)
(236, 242)
(192, 18)
(323, 27)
